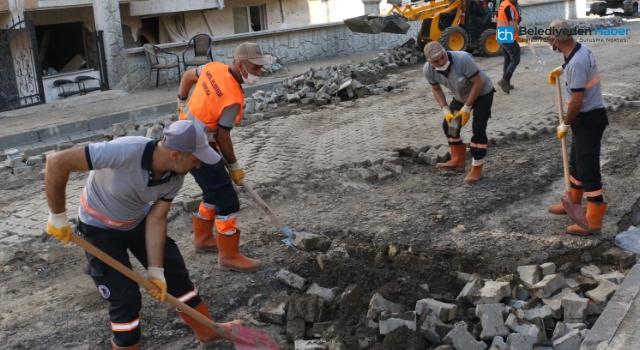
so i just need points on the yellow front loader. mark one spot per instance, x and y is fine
(459, 25)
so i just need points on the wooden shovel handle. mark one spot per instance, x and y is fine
(565, 157)
(91, 249)
(262, 204)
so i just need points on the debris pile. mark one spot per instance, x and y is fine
(535, 308)
(607, 22)
(324, 85)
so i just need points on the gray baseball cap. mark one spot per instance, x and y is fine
(185, 136)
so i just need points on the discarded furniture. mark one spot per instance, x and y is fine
(66, 87)
(201, 49)
(160, 61)
(276, 64)
(82, 80)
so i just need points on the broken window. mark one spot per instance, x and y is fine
(249, 19)
(63, 47)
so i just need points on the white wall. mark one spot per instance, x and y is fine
(152, 7)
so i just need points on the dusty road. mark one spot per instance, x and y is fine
(304, 165)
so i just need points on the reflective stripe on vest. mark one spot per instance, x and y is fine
(215, 90)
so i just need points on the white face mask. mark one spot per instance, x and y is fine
(554, 48)
(250, 79)
(444, 66)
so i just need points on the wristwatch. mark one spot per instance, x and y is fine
(182, 98)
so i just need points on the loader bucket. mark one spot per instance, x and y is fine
(376, 24)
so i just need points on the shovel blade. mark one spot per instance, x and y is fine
(252, 339)
(575, 211)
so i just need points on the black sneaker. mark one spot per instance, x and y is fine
(504, 85)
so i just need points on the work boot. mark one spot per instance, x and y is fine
(595, 213)
(205, 335)
(504, 85)
(576, 198)
(456, 163)
(474, 175)
(511, 87)
(230, 257)
(115, 347)
(204, 239)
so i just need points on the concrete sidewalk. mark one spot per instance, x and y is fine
(617, 327)
(99, 110)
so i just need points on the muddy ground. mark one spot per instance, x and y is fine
(415, 228)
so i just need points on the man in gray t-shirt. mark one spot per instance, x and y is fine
(587, 117)
(471, 89)
(124, 208)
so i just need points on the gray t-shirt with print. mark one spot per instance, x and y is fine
(461, 70)
(120, 187)
(582, 75)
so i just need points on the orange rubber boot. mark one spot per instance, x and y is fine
(230, 257)
(115, 347)
(595, 213)
(205, 335)
(474, 175)
(458, 153)
(576, 198)
(203, 238)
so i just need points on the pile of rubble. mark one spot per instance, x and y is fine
(606, 22)
(535, 309)
(336, 83)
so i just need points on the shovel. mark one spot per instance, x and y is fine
(539, 69)
(575, 211)
(244, 338)
(286, 230)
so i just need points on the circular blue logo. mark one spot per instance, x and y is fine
(104, 291)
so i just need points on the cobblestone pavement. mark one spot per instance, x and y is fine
(368, 129)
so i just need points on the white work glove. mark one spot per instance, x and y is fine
(156, 276)
(58, 226)
(563, 129)
(181, 105)
(447, 114)
(554, 74)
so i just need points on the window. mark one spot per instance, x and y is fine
(249, 19)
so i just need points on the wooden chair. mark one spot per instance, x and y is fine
(81, 81)
(201, 50)
(68, 91)
(159, 62)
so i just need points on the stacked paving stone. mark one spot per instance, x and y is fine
(335, 83)
(29, 164)
(535, 309)
(606, 22)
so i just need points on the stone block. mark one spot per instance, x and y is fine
(294, 329)
(275, 310)
(291, 279)
(590, 271)
(529, 274)
(492, 319)
(367, 174)
(548, 269)
(22, 170)
(327, 295)
(310, 241)
(461, 339)
(14, 162)
(191, 205)
(443, 153)
(616, 256)
(320, 102)
(548, 286)
(542, 313)
(499, 344)
(378, 304)
(316, 344)
(574, 309)
(445, 312)
(616, 277)
(519, 341)
(66, 145)
(34, 160)
(432, 328)
(389, 322)
(555, 302)
(525, 328)
(306, 306)
(603, 293)
(471, 291)
(493, 292)
(570, 341)
(333, 255)
(384, 175)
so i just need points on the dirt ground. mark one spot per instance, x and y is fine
(415, 228)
